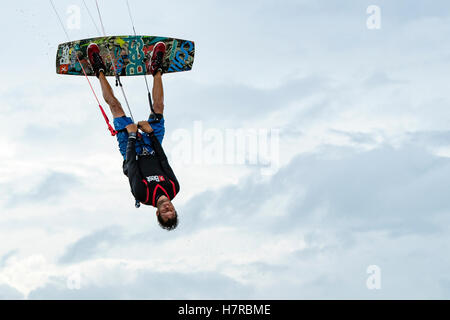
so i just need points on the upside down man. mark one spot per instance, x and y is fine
(151, 178)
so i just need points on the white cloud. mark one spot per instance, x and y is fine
(363, 118)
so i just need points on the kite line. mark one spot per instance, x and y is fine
(118, 82)
(110, 128)
(145, 71)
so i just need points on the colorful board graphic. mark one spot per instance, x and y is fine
(128, 53)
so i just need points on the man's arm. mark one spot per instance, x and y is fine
(131, 165)
(159, 152)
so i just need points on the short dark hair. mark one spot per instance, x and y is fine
(170, 224)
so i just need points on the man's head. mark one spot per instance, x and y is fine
(166, 214)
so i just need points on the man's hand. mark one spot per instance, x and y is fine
(145, 126)
(132, 127)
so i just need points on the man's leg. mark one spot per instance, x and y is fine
(120, 121)
(111, 100)
(158, 93)
(96, 61)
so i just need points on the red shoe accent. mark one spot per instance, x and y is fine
(95, 59)
(93, 47)
(157, 57)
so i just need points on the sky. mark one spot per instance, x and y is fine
(340, 192)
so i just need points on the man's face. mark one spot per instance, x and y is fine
(167, 211)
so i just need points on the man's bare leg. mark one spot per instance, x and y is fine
(111, 100)
(158, 93)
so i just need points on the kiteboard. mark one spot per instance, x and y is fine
(124, 55)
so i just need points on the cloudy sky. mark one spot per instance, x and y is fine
(361, 115)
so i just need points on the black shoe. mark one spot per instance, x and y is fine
(156, 63)
(96, 59)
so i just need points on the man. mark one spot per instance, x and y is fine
(145, 164)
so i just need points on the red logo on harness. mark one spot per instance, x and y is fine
(161, 178)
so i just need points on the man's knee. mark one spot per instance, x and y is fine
(158, 107)
(112, 102)
(115, 106)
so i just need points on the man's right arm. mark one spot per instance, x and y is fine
(131, 164)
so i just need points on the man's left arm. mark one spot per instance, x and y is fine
(160, 154)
